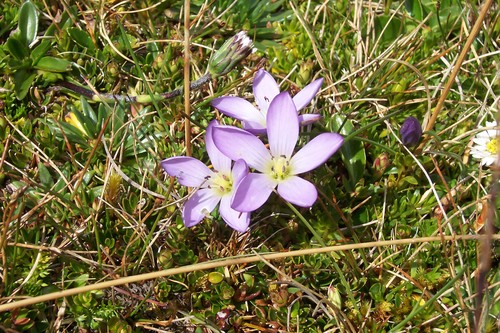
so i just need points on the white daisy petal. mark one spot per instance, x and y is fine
(485, 145)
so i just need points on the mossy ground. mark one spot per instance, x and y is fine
(84, 199)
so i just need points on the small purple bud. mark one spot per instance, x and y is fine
(411, 132)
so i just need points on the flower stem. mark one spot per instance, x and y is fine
(143, 99)
(307, 224)
(187, 102)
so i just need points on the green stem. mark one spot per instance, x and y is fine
(378, 121)
(143, 99)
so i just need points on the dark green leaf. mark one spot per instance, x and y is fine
(22, 81)
(28, 22)
(102, 115)
(353, 151)
(414, 7)
(376, 292)
(53, 64)
(89, 118)
(40, 50)
(82, 38)
(17, 48)
(44, 175)
(389, 28)
(63, 130)
(87, 109)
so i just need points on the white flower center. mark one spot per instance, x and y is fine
(280, 168)
(221, 183)
(492, 146)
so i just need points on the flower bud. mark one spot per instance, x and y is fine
(411, 132)
(380, 164)
(231, 53)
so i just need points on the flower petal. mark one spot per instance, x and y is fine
(282, 125)
(298, 191)
(265, 89)
(252, 192)
(308, 118)
(488, 160)
(199, 205)
(240, 109)
(305, 96)
(240, 170)
(316, 152)
(220, 162)
(254, 128)
(189, 171)
(237, 220)
(238, 144)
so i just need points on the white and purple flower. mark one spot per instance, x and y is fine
(278, 166)
(265, 89)
(214, 186)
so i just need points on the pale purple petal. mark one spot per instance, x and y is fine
(282, 125)
(316, 152)
(254, 128)
(189, 171)
(252, 192)
(308, 118)
(237, 220)
(265, 89)
(239, 108)
(240, 170)
(220, 162)
(199, 205)
(238, 144)
(305, 96)
(298, 191)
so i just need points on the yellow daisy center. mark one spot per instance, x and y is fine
(280, 168)
(221, 183)
(492, 146)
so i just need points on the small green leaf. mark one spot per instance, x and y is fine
(376, 292)
(414, 7)
(353, 151)
(53, 64)
(44, 175)
(40, 50)
(87, 110)
(28, 22)
(410, 180)
(215, 277)
(17, 48)
(66, 131)
(102, 115)
(82, 38)
(22, 82)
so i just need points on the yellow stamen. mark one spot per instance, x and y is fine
(280, 168)
(492, 146)
(221, 183)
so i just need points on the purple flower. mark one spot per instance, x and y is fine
(411, 132)
(265, 89)
(214, 186)
(278, 166)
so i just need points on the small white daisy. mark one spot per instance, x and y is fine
(486, 145)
